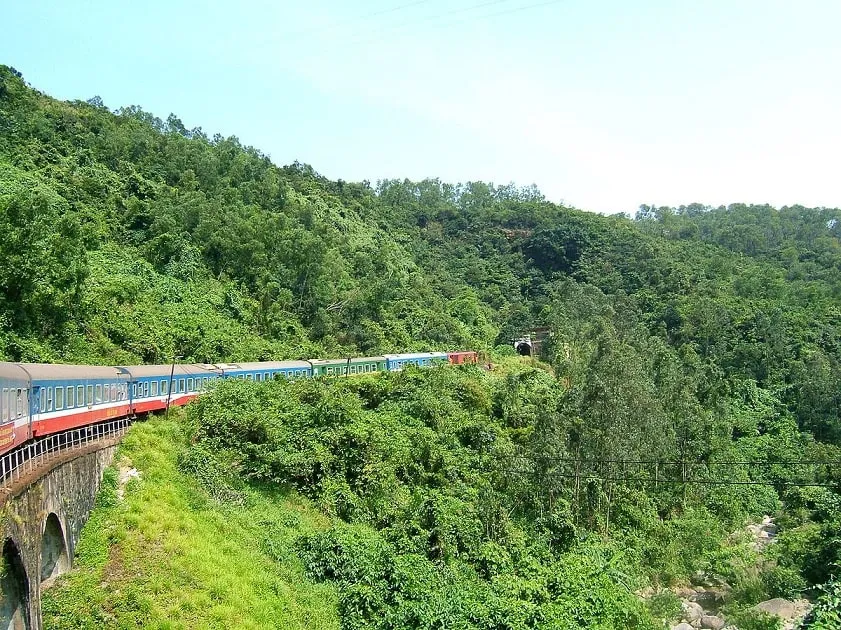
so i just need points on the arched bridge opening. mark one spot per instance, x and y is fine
(54, 558)
(14, 590)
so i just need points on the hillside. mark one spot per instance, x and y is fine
(692, 335)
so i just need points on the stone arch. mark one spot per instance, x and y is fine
(54, 558)
(14, 589)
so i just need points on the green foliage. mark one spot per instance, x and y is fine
(689, 336)
(164, 556)
(748, 618)
(826, 615)
(665, 606)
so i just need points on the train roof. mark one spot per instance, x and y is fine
(165, 369)
(12, 371)
(255, 366)
(45, 371)
(416, 355)
(344, 361)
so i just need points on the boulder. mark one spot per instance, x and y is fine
(684, 592)
(692, 612)
(711, 622)
(782, 608)
(682, 626)
(711, 599)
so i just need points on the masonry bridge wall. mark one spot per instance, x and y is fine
(41, 519)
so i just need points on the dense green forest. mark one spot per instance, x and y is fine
(694, 335)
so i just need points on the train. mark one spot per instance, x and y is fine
(38, 400)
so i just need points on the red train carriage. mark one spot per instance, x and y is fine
(459, 358)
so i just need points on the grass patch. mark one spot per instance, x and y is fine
(169, 556)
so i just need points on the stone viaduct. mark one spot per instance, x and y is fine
(42, 512)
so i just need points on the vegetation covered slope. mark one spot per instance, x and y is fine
(158, 552)
(691, 334)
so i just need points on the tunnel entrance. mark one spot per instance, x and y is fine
(54, 559)
(14, 590)
(524, 346)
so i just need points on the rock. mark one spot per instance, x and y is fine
(692, 612)
(711, 599)
(126, 474)
(684, 592)
(682, 626)
(712, 622)
(647, 592)
(782, 608)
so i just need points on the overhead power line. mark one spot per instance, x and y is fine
(702, 482)
(590, 460)
(429, 18)
(471, 13)
(354, 20)
(664, 472)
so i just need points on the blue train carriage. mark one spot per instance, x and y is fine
(153, 387)
(352, 366)
(14, 406)
(63, 397)
(266, 370)
(397, 362)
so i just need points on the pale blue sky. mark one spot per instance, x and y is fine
(605, 104)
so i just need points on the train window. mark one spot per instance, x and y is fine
(43, 400)
(19, 404)
(89, 398)
(4, 403)
(330, 371)
(59, 398)
(181, 387)
(266, 376)
(154, 388)
(189, 384)
(259, 377)
(71, 399)
(164, 385)
(80, 395)
(106, 393)
(98, 398)
(49, 399)
(205, 382)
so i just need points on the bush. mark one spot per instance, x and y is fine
(664, 605)
(749, 618)
(826, 615)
